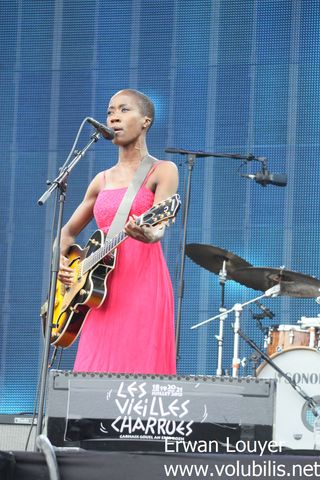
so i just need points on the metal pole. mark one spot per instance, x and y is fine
(190, 162)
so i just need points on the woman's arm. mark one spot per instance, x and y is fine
(166, 180)
(79, 219)
(166, 177)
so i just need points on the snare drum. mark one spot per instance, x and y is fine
(285, 337)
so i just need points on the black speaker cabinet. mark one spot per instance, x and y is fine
(138, 412)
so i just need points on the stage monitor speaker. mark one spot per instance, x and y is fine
(138, 412)
(14, 432)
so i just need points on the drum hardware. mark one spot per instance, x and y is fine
(222, 280)
(237, 309)
(266, 311)
(219, 339)
(223, 263)
(307, 322)
(312, 335)
(255, 359)
(236, 361)
(312, 324)
(260, 316)
(292, 284)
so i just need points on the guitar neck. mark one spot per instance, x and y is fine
(96, 257)
(162, 212)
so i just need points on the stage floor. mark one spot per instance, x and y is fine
(93, 465)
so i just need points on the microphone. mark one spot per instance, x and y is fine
(265, 310)
(266, 178)
(106, 132)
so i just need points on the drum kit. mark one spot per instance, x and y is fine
(291, 353)
(272, 281)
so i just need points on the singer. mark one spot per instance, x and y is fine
(133, 330)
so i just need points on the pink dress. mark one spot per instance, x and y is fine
(133, 330)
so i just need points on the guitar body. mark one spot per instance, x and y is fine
(92, 266)
(89, 290)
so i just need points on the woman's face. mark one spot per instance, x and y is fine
(125, 118)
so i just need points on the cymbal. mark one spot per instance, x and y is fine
(211, 258)
(292, 284)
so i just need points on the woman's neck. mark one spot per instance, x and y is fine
(132, 154)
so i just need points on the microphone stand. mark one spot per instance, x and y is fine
(250, 157)
(312, 404)
(59, 185)
(191, 159)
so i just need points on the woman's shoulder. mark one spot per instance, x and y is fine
(98, 182)
(162, 169)
(165, 165)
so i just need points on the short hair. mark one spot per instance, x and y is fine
(145, 103)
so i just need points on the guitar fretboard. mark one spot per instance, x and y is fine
(110, 244)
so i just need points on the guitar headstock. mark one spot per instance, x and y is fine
(161, 212)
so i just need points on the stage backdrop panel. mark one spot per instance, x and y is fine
(231, 76)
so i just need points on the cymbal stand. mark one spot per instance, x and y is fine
(222, 309)
(237, 309)
(236, 327)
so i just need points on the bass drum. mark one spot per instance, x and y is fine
(293, 418)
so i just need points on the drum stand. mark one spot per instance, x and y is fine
(223, 317)
(237, 309)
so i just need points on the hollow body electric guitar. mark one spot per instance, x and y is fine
(92, 265)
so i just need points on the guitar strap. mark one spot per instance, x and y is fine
(121, 216)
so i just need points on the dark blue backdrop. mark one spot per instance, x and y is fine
(226, 76)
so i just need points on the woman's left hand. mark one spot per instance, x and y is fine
(143, 233)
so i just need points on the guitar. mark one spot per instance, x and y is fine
(92, 266)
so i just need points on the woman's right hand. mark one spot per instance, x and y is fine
(65, 274)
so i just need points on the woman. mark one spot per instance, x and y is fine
(133, 330)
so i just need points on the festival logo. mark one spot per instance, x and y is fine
(145, 410)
